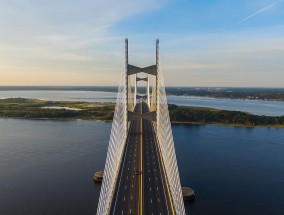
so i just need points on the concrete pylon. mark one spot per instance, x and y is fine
(159, 115)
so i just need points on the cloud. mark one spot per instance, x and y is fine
(42, 39)
(61, 28)
(73, 42)
(251, 57)
(260, 11)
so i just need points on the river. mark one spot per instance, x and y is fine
(46, 167)
(257, 107)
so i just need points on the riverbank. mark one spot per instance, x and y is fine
(70, 110)
(199, 115)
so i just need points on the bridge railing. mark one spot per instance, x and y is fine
(165, 139)
(116, 146)
(159, 108)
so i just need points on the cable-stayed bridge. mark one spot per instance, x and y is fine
(141, 173)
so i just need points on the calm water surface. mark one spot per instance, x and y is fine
(46, 167)
(258, 107)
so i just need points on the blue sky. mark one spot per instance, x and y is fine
(203, 43)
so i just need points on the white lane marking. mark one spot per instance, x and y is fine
(125, 187)
(124, 198)
(124, 160)
(150, 188)
(151, 201)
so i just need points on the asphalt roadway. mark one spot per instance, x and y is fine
(141, 187)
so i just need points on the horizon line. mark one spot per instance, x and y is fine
(268, 87)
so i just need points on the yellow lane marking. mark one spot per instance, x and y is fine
(141, 160)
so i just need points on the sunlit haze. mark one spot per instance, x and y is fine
(203, 43)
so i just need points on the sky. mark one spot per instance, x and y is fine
(209, 43)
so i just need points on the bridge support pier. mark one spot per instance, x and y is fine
(124, 115)
(98, 176)
(188, 194)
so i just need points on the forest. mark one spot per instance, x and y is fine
(214, 116)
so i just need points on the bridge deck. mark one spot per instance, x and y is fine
(141, 187)
(126, 197)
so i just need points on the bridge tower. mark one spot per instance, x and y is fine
(158, 115)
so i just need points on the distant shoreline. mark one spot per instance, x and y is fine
(262, 94)
(20, 108)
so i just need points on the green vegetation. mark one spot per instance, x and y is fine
(33, 109)
(214, 116)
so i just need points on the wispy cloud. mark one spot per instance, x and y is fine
(59, 34)
(260, 11)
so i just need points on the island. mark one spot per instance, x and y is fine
(70, 110)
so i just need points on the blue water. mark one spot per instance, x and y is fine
(233, 170)
(46, 167)
(258, 107)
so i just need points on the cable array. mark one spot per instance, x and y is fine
(165, 139)
(115, 149)
(119, 131)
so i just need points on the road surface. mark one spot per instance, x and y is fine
(141, 186)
